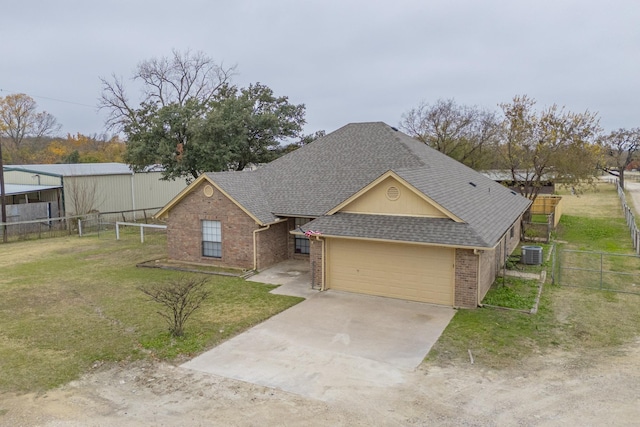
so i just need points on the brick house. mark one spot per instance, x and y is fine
(374, 210)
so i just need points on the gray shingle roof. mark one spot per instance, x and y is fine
(319, 176)
(441, 231)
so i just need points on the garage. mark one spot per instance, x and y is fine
(396, 270)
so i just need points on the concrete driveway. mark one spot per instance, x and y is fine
(331, 344)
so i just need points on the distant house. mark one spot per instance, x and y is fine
(372, 209)
(504, 177)
(70, 189)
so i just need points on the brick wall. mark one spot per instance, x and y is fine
(184, 230)
(273, 245)
(315, 260)
(488, 269)
(466, 279)
(492, 261)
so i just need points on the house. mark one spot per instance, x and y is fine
(374, 210)
(71, 189)
(505, 177)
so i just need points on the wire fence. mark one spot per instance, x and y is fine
(630, 218)
(80, 225)
(597, 270)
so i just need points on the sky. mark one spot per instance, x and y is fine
(347, 61)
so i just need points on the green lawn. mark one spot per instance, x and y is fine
(568, 318)
(67, 304)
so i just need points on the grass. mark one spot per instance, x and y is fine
(67, 304)
(512, 292)
(568, 318)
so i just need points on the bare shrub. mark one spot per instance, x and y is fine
(180, 298)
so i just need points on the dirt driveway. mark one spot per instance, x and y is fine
(552, 390)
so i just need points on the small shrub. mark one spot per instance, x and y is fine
(180, 298)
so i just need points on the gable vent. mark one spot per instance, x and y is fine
(208, 190)
(393, 193)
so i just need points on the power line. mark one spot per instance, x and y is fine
(52, 99)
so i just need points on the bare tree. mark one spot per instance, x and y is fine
(180, 298)
(461, 132)
(82, 194)
(165, 81)
(551, 144)
(19, 119)
(622, 147)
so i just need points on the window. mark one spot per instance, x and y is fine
(301, 242)
(211, 239)
(511, 233)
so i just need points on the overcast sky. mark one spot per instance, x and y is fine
(347, 61)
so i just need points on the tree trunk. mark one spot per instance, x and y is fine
(621, 177)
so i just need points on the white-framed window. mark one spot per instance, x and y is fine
(211, 239)
(301, 242)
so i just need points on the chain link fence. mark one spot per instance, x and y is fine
(597, 270)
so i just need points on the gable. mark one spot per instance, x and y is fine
(207, 189)
(390, 195)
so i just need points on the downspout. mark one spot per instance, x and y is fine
(322, 286)
(255, 245)
(478, 252)
(255, 241)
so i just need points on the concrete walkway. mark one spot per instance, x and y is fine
(293, 276)
(331, 345)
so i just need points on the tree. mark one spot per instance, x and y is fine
(251, 123)
(19, 119)
(461, 132)
(239, 127)
(179, 298)
(182, 78)
(622, 147)
(551, 144)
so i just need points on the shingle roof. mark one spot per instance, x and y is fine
(442, 231)
(319, 176)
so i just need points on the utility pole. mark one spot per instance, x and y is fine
(3, 217)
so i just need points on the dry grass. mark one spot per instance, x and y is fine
(601, 201)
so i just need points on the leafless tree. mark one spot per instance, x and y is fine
(180, 298)
(622, 147)
(174, 80)
(462, 132)
(19, 119)
(550, 144)
(82, 195)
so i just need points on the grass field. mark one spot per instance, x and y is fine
(568, 318)
(68, 304)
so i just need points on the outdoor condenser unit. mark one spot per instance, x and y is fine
(532, 255)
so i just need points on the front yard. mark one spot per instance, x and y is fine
(71, 304)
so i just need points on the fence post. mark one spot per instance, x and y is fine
(79, 227)
(117, 230)
(553, 265)
(601, 269)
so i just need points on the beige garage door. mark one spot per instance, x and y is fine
(412, 272)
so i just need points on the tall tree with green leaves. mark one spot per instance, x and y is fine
(551, 144)
(192, 120)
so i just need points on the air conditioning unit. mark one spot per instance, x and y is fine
(531, 255)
